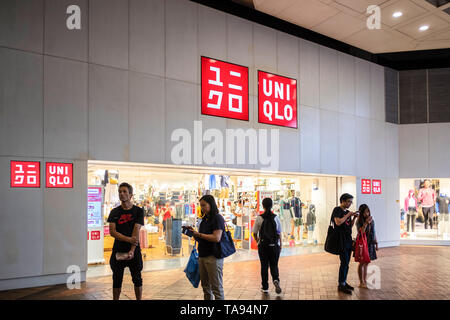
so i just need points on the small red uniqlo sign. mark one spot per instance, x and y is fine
(365, 186)
(59, 175)
(376, 186)
(25, 174)
(277, 100)
(95, 235)
(224, 89)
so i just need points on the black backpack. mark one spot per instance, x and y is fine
(268, 232)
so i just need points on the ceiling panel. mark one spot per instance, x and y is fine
(409, 9)
(340, 26)
(345, 20)
(308, 13)
(360, 6)
(434, 22)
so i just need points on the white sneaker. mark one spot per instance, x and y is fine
(264, 290)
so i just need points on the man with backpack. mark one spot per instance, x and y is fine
(266, 231)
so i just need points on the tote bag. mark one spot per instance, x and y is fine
(361, 248)
(226, 244)
(192, 268)
(334, 242)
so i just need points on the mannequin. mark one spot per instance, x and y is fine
(442, 208)
(311, 223)
(411, 209)
(285, 217)
(296, 211)
(427, 196)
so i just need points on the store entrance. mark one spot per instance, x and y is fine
(169, 197)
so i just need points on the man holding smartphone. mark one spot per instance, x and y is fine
(125, 221)
(344, 221)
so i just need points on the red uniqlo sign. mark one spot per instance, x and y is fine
(365, 186)
(277, 100)
(25, 174)
(224, 89)
(95, 235)
(59, 175)
(376, 186)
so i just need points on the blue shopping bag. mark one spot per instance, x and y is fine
(192, 269)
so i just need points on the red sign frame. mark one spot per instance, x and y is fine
(276, 100)
(213, 79)
(366, 186)
(57, 176)
(376, 191)
(13, 174)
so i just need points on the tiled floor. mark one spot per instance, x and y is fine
(407, 272)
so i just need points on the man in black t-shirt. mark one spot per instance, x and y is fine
(344, 221)
(125, 221)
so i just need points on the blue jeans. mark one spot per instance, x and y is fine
(345, 260)
(237, 232)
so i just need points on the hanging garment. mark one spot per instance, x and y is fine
(442, 204)
(212, 182)
(296, 205)
(224, 181)
(143, 240)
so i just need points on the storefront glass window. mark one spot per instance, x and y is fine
(169, 198)
(424, 209)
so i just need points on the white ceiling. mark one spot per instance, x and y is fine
(345, 20)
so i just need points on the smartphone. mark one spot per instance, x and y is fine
(187, 231)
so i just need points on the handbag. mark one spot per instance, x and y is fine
(226, 244)
(334, 242)
(192, 269)
(234, 221)
(361, 248)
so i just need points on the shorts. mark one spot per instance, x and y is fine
(311, 227)
(118, 266)
(298, 222)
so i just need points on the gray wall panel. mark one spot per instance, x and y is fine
(21, 230)
(147, 108)
(22, 24)
(66, 108)
(21, 110)
(181, 112)
(182, 57)
(329, 150)
(391, 95)
(362, 78)
(147, 51)
(310, 139)
(288, 56)
(346, 83)
(328, 79)
(212, 32)
(309, 74)
(413, 96)
(347, 144)
(108, 32)
(66, 245)
(61, 41)
(439, 95)
(377, 100)
(108, 114)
